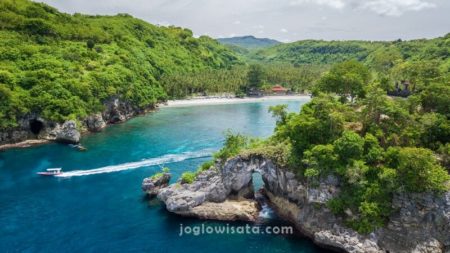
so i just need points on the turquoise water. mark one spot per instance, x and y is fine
(98, 205)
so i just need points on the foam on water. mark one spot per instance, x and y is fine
(266, 212)
(169, 158)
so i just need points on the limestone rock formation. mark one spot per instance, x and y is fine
(421, 222)
(95, 123)
(152, 185)
(229, 210)
(68, 133)
(34, 127)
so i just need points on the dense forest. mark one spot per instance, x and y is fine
(63, 66)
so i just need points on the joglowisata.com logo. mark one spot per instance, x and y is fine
(205, 229)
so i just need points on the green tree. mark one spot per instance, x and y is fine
(279, 112)
(436, 98)
(349, 146)
(255, 77)
(346, 79)
(319, 122)
(90, 44)
(418, 169)
(321, 158)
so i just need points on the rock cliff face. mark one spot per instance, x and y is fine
(32, 126)
(421, 222)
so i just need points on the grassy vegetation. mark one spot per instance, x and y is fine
(158, 175)
(189, 177)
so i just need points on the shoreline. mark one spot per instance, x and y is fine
(24, 144)
(198, 101)
(222, 101)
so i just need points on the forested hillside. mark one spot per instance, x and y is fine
(63, 66)
(328, 52)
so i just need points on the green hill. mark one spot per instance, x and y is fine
(328, 52)
(249, 42)
(62, 66)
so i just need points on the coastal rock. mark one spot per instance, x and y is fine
(208, 198)
(68, 133)
(118, 110)
(28, 127)
(95, 123)
(180, 198)
(229, 210)
(420, 223)
(152, 185)
(33, 127)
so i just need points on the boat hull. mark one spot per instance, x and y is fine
(47, 174)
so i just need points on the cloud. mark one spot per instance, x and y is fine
(396, 7)
(381, 7)
(337, 4)
(283, 30)
(237, 22)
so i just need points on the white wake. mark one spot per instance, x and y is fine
(169, 158)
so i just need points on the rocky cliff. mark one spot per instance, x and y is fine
(34, 127)
(421, 222)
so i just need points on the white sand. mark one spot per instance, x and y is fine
(221, 101)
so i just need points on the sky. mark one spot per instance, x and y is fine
(284, 20)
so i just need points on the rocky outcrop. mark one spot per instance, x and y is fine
(152, 185)
(229, 210)
(118, 110)
(421, 222)
(33, 127)
(67, 133)
(209, 198)
(95, 123)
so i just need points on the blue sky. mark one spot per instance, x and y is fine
(284, 20)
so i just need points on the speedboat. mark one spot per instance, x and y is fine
(51, 172)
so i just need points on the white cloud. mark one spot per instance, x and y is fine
(237, 22)
(381, 7)
(283, 30)
(337, 4)
(396, 7)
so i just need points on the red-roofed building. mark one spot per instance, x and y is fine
(278, 89)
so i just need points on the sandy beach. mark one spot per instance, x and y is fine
(220, 101)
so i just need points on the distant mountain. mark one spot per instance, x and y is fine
(249, 42)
